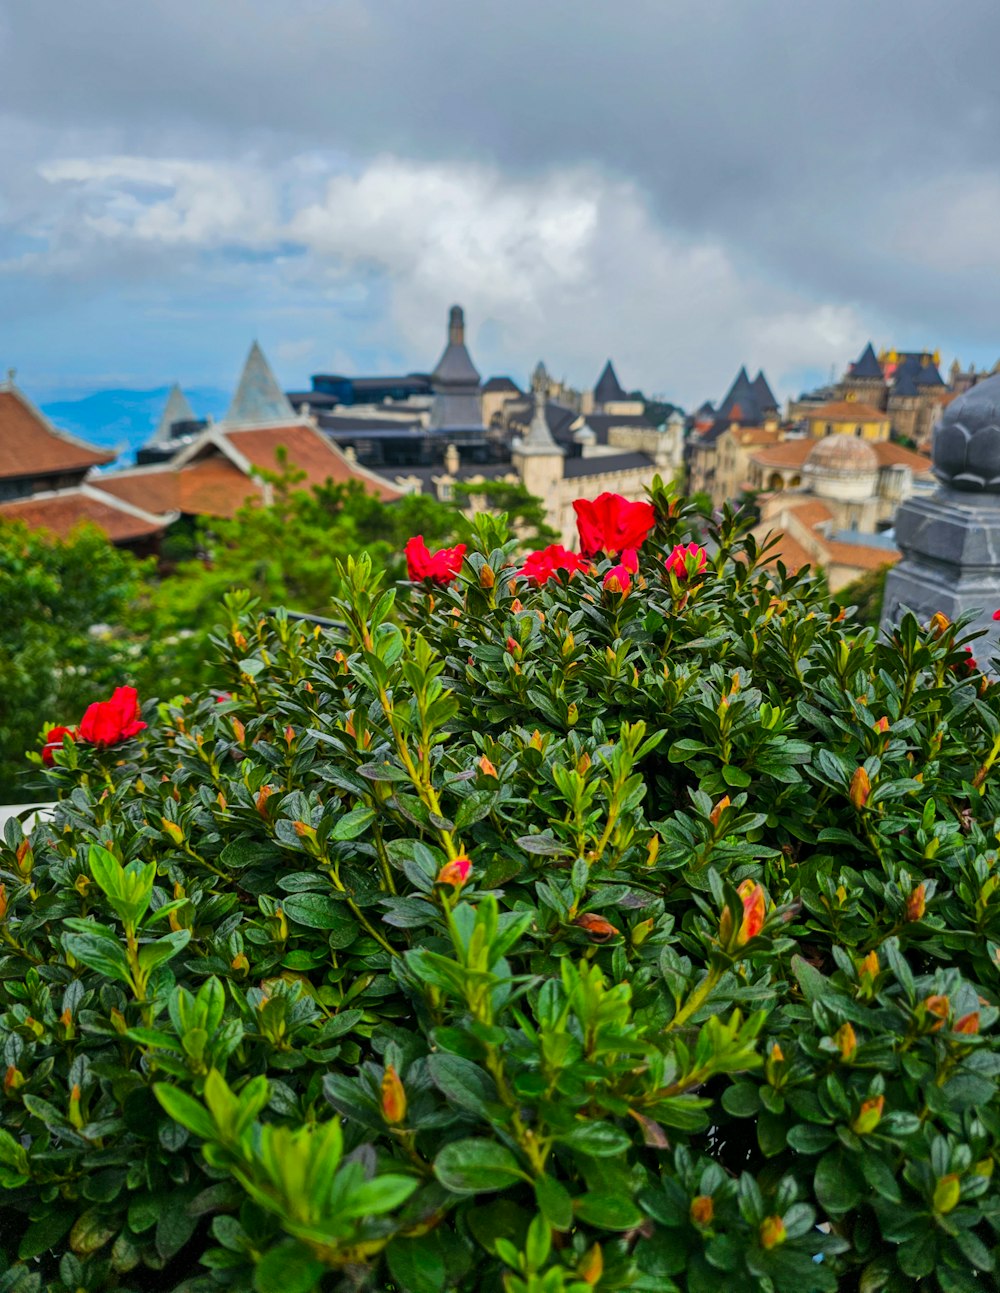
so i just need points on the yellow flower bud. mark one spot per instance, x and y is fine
(772, 1232)
(847, 1042)
(591, 1266)
(947, 1193)
(702, 1210)
(860, 788)
(393, 1097)
(869, 1116)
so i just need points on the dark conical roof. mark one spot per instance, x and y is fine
(455, 367)
(740, 400)
(608, 387)
(763, 393)
(928, 375)
(867, 365)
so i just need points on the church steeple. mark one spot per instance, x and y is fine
(539, 438)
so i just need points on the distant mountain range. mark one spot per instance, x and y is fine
(122, 419)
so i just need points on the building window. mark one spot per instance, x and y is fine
(858, 431)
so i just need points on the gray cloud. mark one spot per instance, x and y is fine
(838, 161)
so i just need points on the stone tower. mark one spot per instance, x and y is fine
(951, 541)
(537, 458)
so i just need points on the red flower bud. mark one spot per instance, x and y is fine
(108, 722)
(599, 929)
(455, 872)
(968, 1024)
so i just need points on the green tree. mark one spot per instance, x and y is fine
(65, 635)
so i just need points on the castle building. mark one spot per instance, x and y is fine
(722, 438)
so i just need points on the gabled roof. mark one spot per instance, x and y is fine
(867, 365)
(259, 399)
(763, 393)
(502, 384)
(61, 511)
(31, 446)
(177, 409)
(216, 474)
(608, 388)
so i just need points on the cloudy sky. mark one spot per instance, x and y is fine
(685, 185)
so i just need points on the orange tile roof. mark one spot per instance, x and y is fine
(213, 485)
(308, 450)
(847, 411)
(890, 454)
(31, 446)
(860, 555)
(61, 512)
(787, 453)
(810, 511)
(757, 435)
(789, 551)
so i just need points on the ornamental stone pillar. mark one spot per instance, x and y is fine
(950, 541)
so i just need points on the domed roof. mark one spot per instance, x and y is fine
(967, 440)
(842, 453)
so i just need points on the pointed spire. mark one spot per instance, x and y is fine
(539, 438)
(455, 367)
(867, 365)
(177, 409)
(258, 399)
(763, 393)
(608, 388)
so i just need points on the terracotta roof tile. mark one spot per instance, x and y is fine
(31, 446)
(310, 451)
(890, 454)
(860, 555)
(810, 511)
(788, 453)
(153, 488)
(61, 512)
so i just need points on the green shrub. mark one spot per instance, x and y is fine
(540, 939)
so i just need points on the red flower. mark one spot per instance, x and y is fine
(441, 567)
(679, 560)
(996, 615)
(617, 580)
(53, 741)
(611, 524)
(107, 722)
(541, 566)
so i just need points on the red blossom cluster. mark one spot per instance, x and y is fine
(608, 524)
(104, 723)
(439, 567)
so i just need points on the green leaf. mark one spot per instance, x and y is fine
(43, 1235)
(836, 1184)
(598, 1139)
(418, 1265)
(186, 1110)
(735, 777)
(607, 1211)
(164, 949)
(321, 911)
(353, 824)
(474, 1166)
(461, 1082)
(554, 1202)
(288, 1268)
(99, 954)
(742, 1100)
